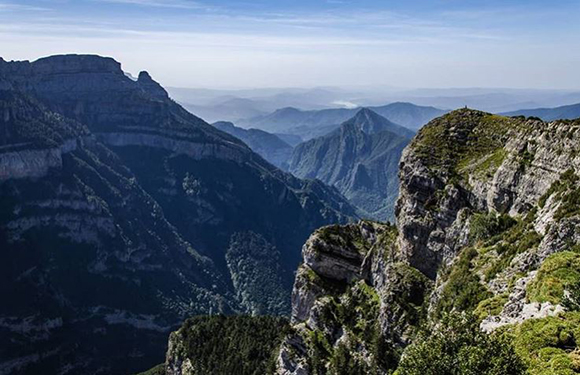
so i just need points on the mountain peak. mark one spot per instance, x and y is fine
(287, 110)
(151, 86)
(369, 122)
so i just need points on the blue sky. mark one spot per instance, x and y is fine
(244, 43)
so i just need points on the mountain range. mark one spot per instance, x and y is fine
(315, 123)
(360, 159)
(568, 112)
(122, 214)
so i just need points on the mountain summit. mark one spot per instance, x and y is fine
(360, 159)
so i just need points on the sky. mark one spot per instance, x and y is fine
(310, 43)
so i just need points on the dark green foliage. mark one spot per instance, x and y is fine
(28, 124)
(241, 345)
(526, 159)
(463, 290)
(345, 362)
(254, 265)
(572, 300)
(459, 347)
(484, 226)
(356, 312)
(517, 239)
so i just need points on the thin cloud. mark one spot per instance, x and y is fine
(20, 7)
(176, 4)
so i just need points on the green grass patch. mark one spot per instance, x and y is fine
(556, 273)
(490, 307)
(549, 345)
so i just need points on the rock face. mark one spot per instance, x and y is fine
(121, 214)
(487, 219)
(360, 159)
(353, 303)
(267, 145)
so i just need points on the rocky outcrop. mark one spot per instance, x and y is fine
(32, 163)
(351, 288)
(487, 224)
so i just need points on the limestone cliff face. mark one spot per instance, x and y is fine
(472, 162)
(352, 298)
(487, 221)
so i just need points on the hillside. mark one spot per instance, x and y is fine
(267, 145)
(360, 159)
(122, 214)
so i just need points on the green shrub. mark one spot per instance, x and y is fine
(557, 272)
(463, 290)
(233, 345)
(549, 346)
(572, 301)
(490, 306)
(458, 346)
(484, 226)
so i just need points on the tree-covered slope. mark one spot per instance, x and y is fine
(360, 159)
(226, 345)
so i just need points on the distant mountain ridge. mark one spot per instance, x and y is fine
(267, 145)
(567, 112)
(311, 124)
(360, 159)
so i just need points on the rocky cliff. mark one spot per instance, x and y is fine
(487, 226)
(121, 214)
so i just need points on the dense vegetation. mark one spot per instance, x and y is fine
(459, 347)
(241, 345)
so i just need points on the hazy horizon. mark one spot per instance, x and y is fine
(234, 44)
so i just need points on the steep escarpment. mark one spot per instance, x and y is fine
(122, 214)
(360, 159)
(487, 237)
